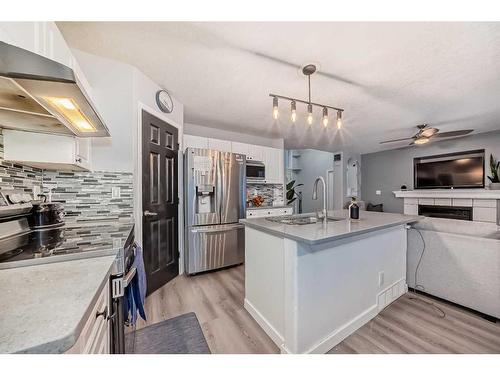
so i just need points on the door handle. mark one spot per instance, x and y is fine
(149, 213)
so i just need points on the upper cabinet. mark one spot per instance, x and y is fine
(194, 141)
(219, 145)
(273, 158)
(42, 38)
(47, 151)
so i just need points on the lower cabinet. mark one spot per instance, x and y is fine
(95, 335)
(262, 212)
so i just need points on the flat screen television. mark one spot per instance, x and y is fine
(450, 171)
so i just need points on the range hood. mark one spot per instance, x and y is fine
(41, 95)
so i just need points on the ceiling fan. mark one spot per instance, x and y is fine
(426, 133)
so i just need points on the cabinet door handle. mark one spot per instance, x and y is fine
(78, 160)
(149, 213)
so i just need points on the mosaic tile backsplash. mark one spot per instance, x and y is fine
(272, 193)
(87, 196)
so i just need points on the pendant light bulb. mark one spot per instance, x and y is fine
(325, 117)
(309, 114)
(339, 119)
(294, 111)
(275, 108)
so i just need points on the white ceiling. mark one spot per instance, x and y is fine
(388, 77)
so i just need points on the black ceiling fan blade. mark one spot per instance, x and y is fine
(453, 133)
(396, 140)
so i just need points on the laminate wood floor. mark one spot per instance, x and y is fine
(406, 326)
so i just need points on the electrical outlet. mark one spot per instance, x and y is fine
(378, 192)
(36, 191)
(117, 243)
(115, 192)
(381, 278)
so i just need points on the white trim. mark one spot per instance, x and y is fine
(138, 177)
(449, 193)
(337, 336)
(264, 324)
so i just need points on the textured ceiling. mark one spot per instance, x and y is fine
(388, 77)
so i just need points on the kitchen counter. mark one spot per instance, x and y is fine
(318, 233)
(310, 286)
(69, 242)
(44, 307)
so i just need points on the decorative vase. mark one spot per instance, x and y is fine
(495, 186)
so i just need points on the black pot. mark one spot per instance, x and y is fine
(46, 214)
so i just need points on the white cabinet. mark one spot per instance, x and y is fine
(94, 337)
(255, 152)
(194, 141)
(268, 212)
(47, 151)
(219, 145)
(273, 159)
(42, 38)
(240, 148)
(252, 152)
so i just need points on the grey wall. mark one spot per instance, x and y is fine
(388, 170)
(313, 163)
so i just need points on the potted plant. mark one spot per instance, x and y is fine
(495, 172)
(292, 194)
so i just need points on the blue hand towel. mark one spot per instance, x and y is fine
(135, 293)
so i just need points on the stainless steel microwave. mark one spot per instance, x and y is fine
(255, 171)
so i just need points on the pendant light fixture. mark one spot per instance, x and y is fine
(310, 114)
(275, 108)
(294, 111)
(325, 117)
(307, 70)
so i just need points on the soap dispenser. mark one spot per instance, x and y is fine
(353, 209)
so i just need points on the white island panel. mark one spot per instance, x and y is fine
(309, 297)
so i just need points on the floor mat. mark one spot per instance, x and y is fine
(179, 335)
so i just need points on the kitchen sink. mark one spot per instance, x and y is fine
(300, 219)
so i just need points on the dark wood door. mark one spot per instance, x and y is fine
(159, 201)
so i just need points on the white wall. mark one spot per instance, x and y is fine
(204, 131)
(120, 93)
(112, 89)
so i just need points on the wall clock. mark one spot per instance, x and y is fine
(164, 101)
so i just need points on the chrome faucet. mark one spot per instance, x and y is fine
(315, 197)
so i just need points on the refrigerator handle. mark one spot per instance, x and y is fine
(220, 184)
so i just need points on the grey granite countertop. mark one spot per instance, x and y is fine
(44, 307)
(314, 234)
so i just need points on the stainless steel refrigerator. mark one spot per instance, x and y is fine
(214, 201)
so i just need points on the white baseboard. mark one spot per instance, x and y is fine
(390, 294)
(384, 298)
(265, 325)
(340, 334)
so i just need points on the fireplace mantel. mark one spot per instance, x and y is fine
(485, 203)
(449, 193)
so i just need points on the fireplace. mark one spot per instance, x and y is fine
(446, 212)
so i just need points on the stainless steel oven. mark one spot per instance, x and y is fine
(255, 171)
(120, 278)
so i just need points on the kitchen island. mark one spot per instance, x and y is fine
(310, 286)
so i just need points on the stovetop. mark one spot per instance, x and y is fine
(69, 241)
